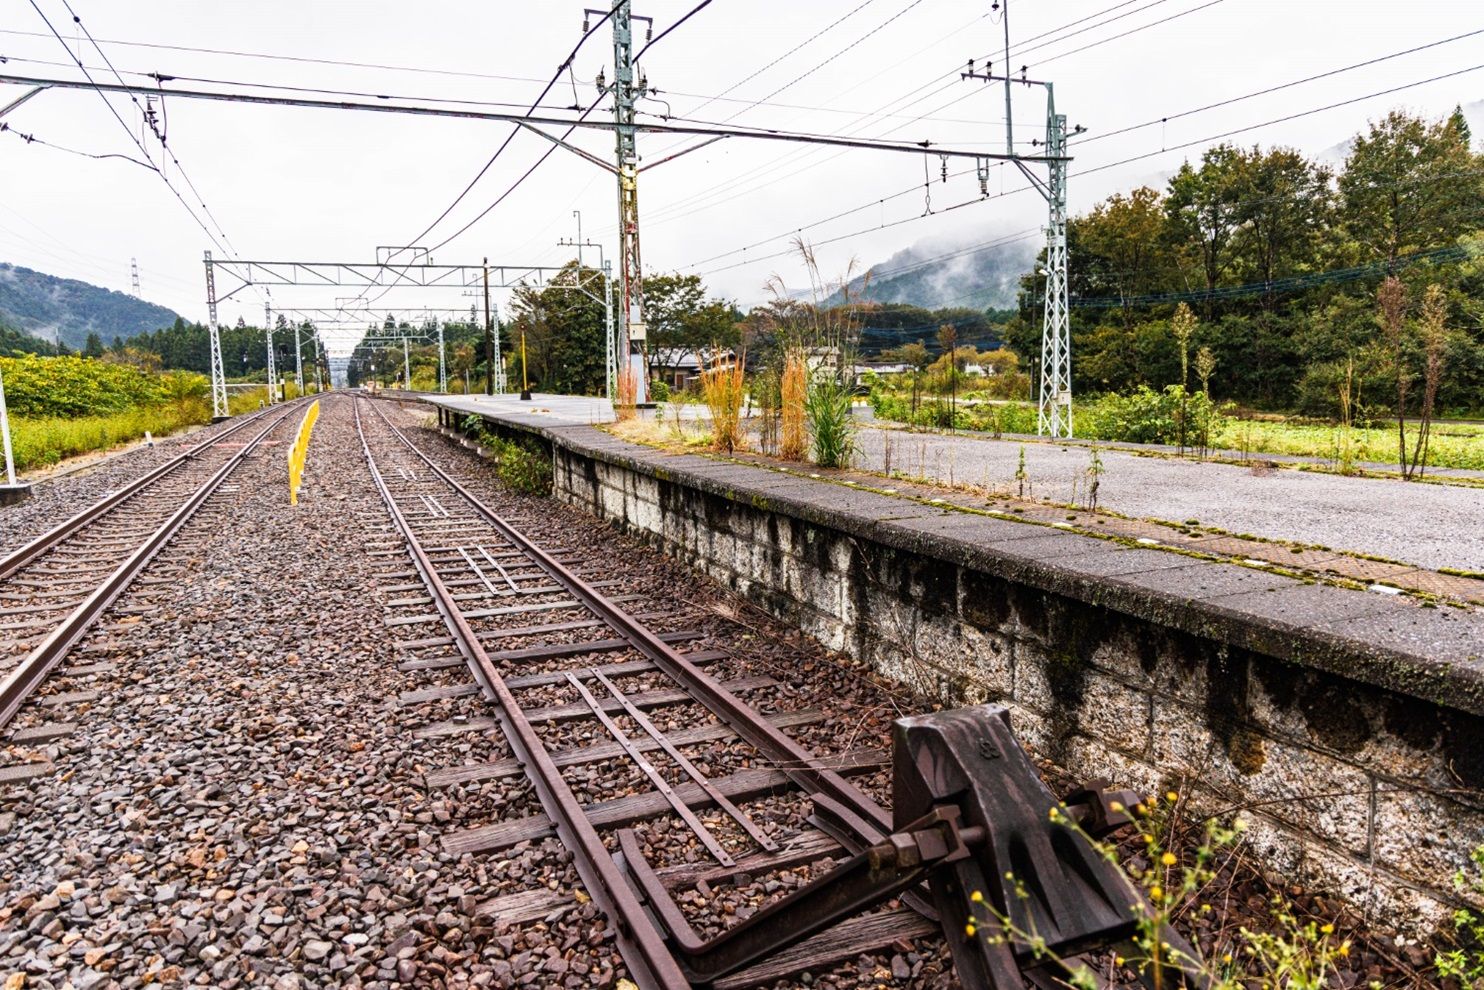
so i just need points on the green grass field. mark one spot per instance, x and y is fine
(1455, 445)
(39, 441)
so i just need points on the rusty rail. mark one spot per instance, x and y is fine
(642, 945)
(54, 537)
(20, 683)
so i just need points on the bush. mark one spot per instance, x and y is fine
(74, 386)
(1146, 416)
(659, 390)
(522, 464)
(38, 441)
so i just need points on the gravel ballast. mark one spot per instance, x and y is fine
(246, 800)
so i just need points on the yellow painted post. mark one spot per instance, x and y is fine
(300, 450)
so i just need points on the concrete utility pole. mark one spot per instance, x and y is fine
(489, 336)
(268, 334)
(406, 366)
(298, 361)
(442, 363)
(218, 377)
(626, 90)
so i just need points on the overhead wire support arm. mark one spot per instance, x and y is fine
(797, 137)
(585, 155)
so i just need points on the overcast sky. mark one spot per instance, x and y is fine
(301, 184)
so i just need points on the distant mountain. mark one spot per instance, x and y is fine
(934, 275)
(68, 310)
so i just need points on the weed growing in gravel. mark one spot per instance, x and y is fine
(1296, 954)
(522, 465)
(1094, 478)
(1465, 961)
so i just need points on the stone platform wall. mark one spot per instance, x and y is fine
(1357, 765)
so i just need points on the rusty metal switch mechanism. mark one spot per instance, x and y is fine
(971, 819)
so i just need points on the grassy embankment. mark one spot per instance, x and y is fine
(1148, 417)
(64, 406)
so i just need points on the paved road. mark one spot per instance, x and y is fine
(1432, 526)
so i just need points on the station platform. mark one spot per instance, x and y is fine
(555, 410)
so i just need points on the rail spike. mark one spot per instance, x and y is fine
(970, 817)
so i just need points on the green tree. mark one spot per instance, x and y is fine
(1123, 238)
(93, 348)
(1410, 185)
(681, 319)
(1202, 209)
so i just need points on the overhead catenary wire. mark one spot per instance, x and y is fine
(213, 238)
(687, 206)
(1097, 136)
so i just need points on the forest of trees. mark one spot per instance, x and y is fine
(1281, 260)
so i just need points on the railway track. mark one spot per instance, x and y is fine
(582, 690)
(56, 587)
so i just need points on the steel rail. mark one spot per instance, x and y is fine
(870, 823)
(58, 534)
(22, 682)
(642, 945)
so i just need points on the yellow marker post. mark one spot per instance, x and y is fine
(299, 451)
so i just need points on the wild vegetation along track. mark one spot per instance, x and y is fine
(591, 701)
(55, 587)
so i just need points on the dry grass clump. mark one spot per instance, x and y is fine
(724, 388)
(794, 443)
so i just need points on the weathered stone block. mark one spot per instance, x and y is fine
(1424, 837)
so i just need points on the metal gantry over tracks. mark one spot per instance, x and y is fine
(968, 848)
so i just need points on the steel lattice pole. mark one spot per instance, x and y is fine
(1054, 410)
(218, 376)
(631, 273)
(442, 367)
(298, 361)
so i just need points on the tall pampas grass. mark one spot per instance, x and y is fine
(724, 388)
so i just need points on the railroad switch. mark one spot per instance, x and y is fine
(1012, 873)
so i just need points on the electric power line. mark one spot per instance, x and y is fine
(1260, 92)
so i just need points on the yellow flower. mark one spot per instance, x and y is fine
(1344, 948)
(1172, 796)
(1156, 893)
(969, 929)
(1148, 840)
(1227, 958)
(1118, 960)
(1168, 859)
(1327, 928)
(977, 897)
(1115, 806)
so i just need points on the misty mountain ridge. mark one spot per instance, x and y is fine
(67, 310)
(935, 274)
(939, 272)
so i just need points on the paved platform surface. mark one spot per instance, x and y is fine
(561, 410)
(1434, 526)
